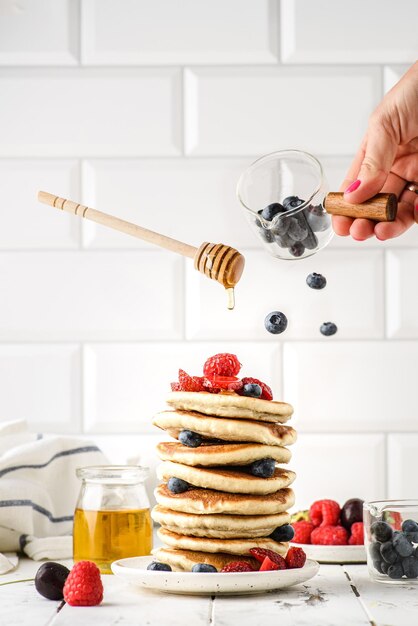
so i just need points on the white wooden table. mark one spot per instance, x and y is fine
(338, 595)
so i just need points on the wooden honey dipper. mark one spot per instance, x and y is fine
(216, 261)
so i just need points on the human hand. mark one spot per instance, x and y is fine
(386, 161)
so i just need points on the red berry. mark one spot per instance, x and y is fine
(83, 586)
(262, 553)
(229, 383)
(237, 566)
(295, 558)
(325, 513)
(190, 383)
(175, 386)
(268, 565)
(223, 364)
(303, 530)
(357, 534)
(330, 536)
(266, 392)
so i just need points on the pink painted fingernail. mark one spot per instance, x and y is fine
(353, 186)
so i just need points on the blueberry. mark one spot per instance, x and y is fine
(381, 531)
(271, 210)
(388, 552)
(374, 549)
(275, 322)
(297, 230)
(311, 241)
(177, 485)
(284, 533)
(265, 233)
(203, 568)
(409, 526)
(283, 240)
(378, 564)
(328, 329)
(190, 439)
(318, 218)
(384, 567)
(395, 571)
(292, 202)
(401, 544)
(297, 249)
(263, 468)
(412, 537)
(316, 281)
(410, 567)
(252, 389)
(50, 579)
(159, 567)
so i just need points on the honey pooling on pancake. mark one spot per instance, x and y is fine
(225, 482)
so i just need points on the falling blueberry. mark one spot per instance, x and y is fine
(275, 322)
(272, 210)
(316, 281)
(328, 329)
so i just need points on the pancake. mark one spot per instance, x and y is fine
(228, 546)
(219, 526)
(230, 405)
(183, 560)
(209, 454)
(231, 430)
(208, 501)
(223, 479)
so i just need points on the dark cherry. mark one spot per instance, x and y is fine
(50, 579)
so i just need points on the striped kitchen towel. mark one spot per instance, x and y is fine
(39, 490)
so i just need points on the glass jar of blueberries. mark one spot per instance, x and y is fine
(391, 540)
(283, 196)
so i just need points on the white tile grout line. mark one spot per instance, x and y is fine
(81, 418)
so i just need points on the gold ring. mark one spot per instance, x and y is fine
(412, 187)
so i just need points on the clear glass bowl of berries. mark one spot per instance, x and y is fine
(283, 195)
(391, 539)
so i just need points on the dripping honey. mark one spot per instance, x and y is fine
(105, 536)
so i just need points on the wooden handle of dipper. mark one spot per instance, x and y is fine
(381, 208)
(217, 261)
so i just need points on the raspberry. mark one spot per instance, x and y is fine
(229, 383)
(269, 565)
(175, 386)
(190, 383)
(394, 519)
(357, 534)
(295, 558)
(83, 586)
(303, 530)
(264, 553)
(266, 392)
(237, 566)
(223, 364)
(330, 536)
(325, 513)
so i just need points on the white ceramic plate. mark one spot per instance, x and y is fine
(334, 554)
(134, 571)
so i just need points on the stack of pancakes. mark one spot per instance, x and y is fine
(227, 510)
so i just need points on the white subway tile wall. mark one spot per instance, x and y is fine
(151, 111)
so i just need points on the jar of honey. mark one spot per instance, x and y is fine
(112, 517)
